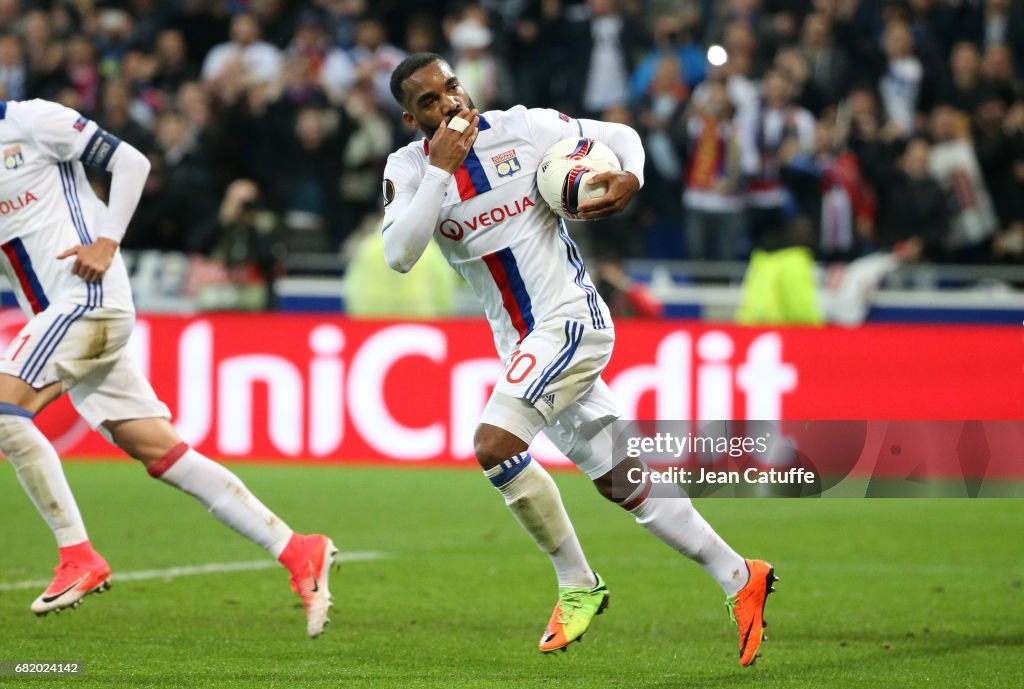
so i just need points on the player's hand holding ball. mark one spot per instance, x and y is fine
(582, 179)
(451, 142)
(621, 186)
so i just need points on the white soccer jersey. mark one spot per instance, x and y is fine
(498, 233)
(48, 206)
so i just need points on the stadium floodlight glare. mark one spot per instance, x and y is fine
(717, 55)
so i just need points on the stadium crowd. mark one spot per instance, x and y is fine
(847, 126)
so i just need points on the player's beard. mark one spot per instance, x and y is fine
(430, 131)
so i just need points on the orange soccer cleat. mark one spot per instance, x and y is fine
(746, 608)
(575, 610)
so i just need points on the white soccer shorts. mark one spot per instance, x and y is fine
(557, 370)
(555, 365)
(84, 349)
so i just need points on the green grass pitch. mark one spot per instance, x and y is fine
(874, 593)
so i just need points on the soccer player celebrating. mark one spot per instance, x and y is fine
(60, 244)
(470, 184)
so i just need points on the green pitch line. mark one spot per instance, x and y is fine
(874, 593)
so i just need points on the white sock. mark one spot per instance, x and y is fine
(676, 523)
(224, 495)
(534, 499)
(41, 475)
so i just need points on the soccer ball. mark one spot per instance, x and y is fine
(564, 170)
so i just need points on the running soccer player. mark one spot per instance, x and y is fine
(473, 190)
(60, 245)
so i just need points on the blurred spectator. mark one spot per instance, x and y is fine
(673, 37)
(45, 56)
(170, 217)
(82, 71)
(300, 86)
(204, 24)
(342, 19)
(900, 84)
(965, 90)
(367, 143)
(876, 143)
(725, 17)
(260, 122)
(258, 60)
(149, 18)
(10, 11)
(276, 19)
(246, 256)
(13, 72)
(793, 63)
(660, 110)
(1009, 244)
(117, 118)
(989, 23)
(186, 164)
(828, 65)
(954, 164)
(115, 35)
(915, 216)
(138, 69)
(310, 43)
(173, 66)
(740, 68)
(481, 73)
(606, 45)
(933, 26)
(713, 191)
(371, 56)
(308, 192)
(421, 35)
(534, 41)
(997, 70)
(998, 151)
(831, 192)
(776, 123)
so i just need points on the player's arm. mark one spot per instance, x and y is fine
(550, 126)
(622, 184)
(64, 135)
(129, 169)
(409, 218)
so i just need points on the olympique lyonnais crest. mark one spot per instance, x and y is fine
(506, 163)
(13, 157)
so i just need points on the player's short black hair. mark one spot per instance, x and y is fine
(406, 68)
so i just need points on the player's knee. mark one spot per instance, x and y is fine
(605, 484)
(487, 451)
(619, 484)
(493, 445)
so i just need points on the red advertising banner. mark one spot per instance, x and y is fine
(326, 388)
